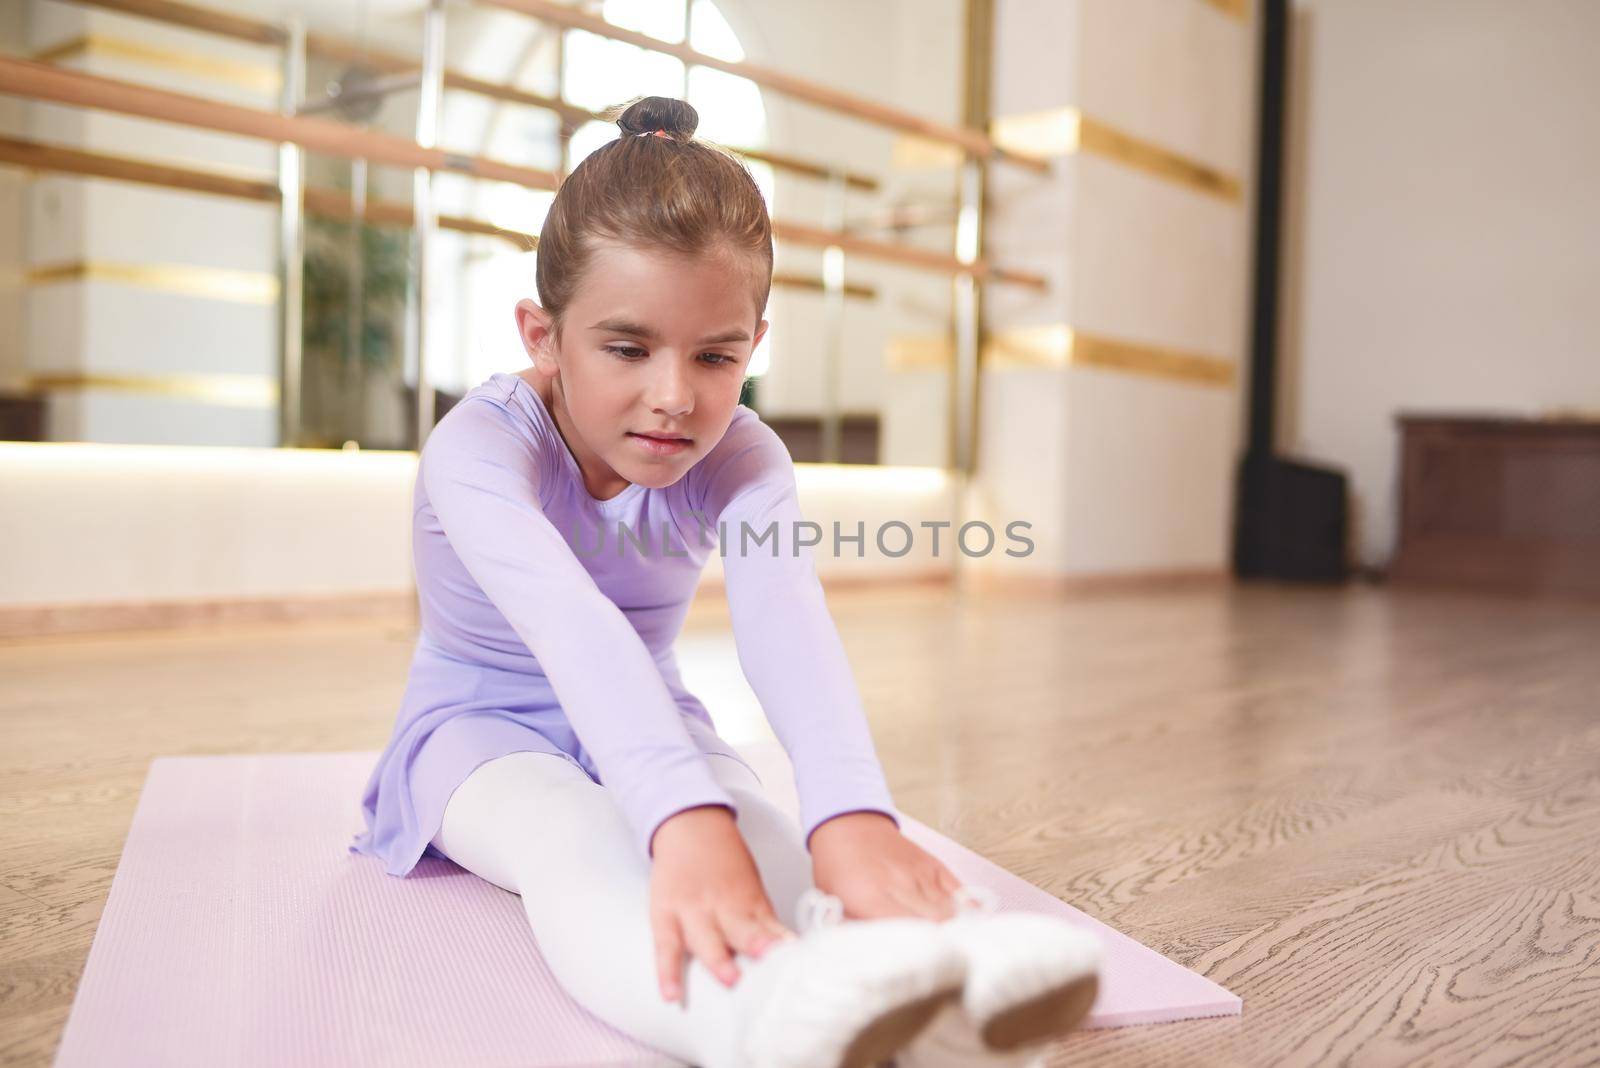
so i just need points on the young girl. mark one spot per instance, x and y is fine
(546, 742)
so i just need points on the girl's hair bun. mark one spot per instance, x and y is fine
(645, 115)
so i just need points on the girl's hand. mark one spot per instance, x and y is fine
(875, 871)
(706, 896)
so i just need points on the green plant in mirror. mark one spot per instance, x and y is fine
(330, 284)
(352, 334)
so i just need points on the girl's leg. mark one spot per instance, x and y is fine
(535, 824)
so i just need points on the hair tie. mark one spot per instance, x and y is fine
(657, 133)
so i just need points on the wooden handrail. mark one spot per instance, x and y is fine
(792, 280)
(257, 31)
(571, 114)
(36, 156)
(38, 80)
(22, 77)
(330, 203)
(327, 203)
(974, 142)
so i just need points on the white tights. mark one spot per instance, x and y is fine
(535, 824)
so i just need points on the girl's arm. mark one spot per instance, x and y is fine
(482, 477)
(788, 645)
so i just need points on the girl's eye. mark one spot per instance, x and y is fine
(632, 353)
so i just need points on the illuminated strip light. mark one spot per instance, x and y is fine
(1064, 131)
(214, 283)
(230, 391)
(918, 352)
(254, 78)
(1239, 9)
(1057, 345)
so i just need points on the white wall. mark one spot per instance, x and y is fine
(1444, 206)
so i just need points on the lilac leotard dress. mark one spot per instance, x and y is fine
(548, 619)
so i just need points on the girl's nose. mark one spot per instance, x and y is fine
(669, 392)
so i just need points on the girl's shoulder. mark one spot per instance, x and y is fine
(500, 417)
(499, 390)
(516, 400)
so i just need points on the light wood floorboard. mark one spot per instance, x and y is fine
(1373, 814)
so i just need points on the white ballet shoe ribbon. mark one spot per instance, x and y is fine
(816, 910)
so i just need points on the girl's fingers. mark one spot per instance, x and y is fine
(748, 933)
(706, 942)
(943, 904)
(669, 957)
(774, 929)
(940, 907)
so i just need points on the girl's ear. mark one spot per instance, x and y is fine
(533, 326)
(761, 331)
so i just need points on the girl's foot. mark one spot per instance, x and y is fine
(848, 993)
(1030, 978)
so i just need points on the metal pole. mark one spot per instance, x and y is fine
(355, 367)
(833, 321)
(291, 240)
(964, 380)
(564, 131)
(972, 182)
(688, 30)
(429, 99)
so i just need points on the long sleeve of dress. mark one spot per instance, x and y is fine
(788, 645)
(483, 478)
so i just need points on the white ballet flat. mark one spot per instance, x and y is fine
(1030, 978)
(852, 992)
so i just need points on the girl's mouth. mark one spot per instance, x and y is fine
(659, 446)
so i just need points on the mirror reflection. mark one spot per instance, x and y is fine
(166, 295)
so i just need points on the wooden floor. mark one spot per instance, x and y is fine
(1374, 815)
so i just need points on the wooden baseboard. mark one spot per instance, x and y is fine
(20, 622)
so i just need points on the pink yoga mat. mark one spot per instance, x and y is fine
(239, 931)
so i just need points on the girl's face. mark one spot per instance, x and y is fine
(650, 363)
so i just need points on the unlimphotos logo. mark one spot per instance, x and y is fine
(893, 538)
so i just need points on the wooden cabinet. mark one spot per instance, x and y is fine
(1499, 504)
